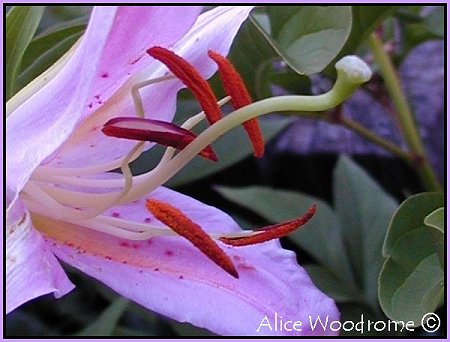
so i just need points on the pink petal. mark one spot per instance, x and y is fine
(136, 28)
(167, 275)
(214, 30)
(107, 56)
(31, 268)
(40, 125)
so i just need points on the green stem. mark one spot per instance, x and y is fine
(374, 138)
(351, 73)
(404, 114)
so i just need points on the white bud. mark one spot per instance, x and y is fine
(356, 70)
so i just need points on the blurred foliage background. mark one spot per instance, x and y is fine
(357, 185)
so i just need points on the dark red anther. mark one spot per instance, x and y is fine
(271, 232)
(192, 79)
(161, 132)
(184, 226)
(234, 86)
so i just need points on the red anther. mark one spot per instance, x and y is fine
(161, 132)
(192, 79)
(271, 232)
(234, 86)
(184, 226)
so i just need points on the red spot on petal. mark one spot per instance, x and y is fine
(135, 245)
(156, 269)
(245, 266)
(136, 60)
(185, 227)
(168, 253)
(115, 214)
(124, 244)
(147, 220)
(180, 277)
(105, 75)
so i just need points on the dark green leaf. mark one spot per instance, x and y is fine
(434, 21)
(186, 329)
(410, 215)
(365, 20)
(308, 38)
(252, 56)
(411, 281)
(48, 47)
(364, 210)
(330, 284)
(21, 25)
(105, 324)
(411, 284)
(436, 219)
(415, 32)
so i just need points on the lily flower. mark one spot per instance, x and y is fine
(127, 231)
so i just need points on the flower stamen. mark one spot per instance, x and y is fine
(161, 132)
(235, 87)
(185, 227)
(271, 232)
(192, 79)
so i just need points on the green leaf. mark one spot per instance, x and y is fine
(21, 25)
(48, 47)
(410, 215)
(364, 210)
(308, 38)
(186, 329)
(365, 20)
(252, 56)
(329, 283)
(106, 323)
(434, 21)
(436, 219)
(321, 237)
(419, 30)
(230, 149)
(411, 281)
(407, 292)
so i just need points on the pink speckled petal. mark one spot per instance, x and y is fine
(31, 268)
(169, 276)
(111, 50)
(214, 30)
(136, 28)
(40, 125)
